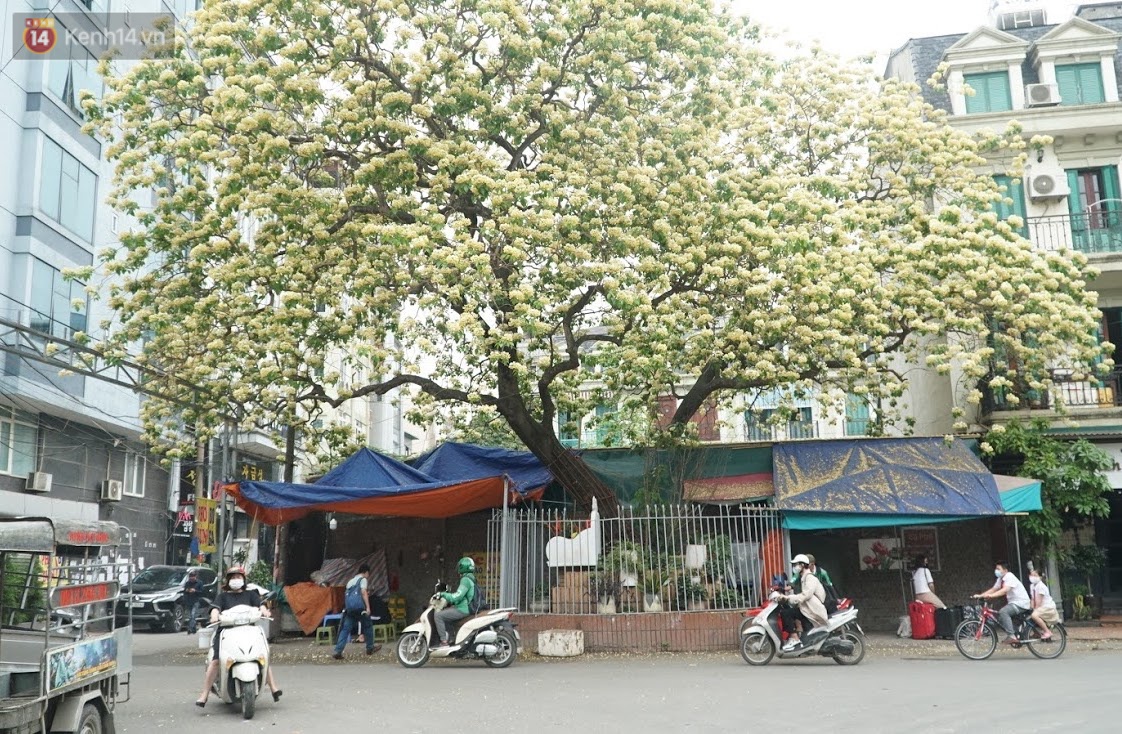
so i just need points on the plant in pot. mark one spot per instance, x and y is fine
(1086, 560)
(626, 558)
(605, 589)
(692, 596)
(653, 581)
(718, 556)
(727, 598)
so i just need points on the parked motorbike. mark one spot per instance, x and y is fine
(841, 639)
(489, 636)
(243, 658)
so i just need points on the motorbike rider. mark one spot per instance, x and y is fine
(1016, 598)
(458, 602)
(832, 597)
(809, 599)
(234, 593)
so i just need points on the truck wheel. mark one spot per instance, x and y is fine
(90, 723)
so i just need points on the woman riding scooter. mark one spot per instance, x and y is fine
(809, 600)
(233, 594)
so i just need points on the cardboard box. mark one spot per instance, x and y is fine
(577, 579)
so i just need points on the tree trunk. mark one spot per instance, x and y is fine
(280, 551)
(567, 468)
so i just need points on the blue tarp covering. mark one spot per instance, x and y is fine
(461, 461)
(923, 477)
(367, 468)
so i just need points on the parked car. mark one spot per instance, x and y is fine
(156, 597)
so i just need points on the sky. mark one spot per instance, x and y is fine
(860, 27)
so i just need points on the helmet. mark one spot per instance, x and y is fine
(801, 558)
(234, 571)
(466, 565)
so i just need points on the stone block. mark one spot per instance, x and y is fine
(560, 643)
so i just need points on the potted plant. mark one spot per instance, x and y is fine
(718, 556)
(605, 589)
(625, 558)
(653, 581)
(1086, 560)
(727, 598)
(540, 602)
(692, 596)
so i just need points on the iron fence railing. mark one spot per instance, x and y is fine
(1071, 393)
(1089, 232)
(654, 559)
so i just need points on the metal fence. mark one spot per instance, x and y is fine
(663, 559)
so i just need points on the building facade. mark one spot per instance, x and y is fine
(1060, 81)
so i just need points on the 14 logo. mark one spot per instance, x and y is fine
(39, 35)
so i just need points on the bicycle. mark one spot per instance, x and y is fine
(976, 639)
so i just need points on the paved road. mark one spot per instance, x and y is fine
(714, 693)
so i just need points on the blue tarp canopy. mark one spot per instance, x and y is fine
(369, 483)
(892, 481)
(462, 461)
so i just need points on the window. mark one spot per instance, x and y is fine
(135, 466)
(1014, 192)
(706, 420)
(70, 71)
(1080, 83)
(19, 443)
(607, 428)
(67, 190)
(801, 424)
(568, 430)
(1096, 210)
(757, 426)
(53, 299)
(991, 92)
(856, 415)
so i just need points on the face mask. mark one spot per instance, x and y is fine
(997, 573)
(1034, 579)
(236, 584)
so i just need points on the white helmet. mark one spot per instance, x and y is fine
(801, 558)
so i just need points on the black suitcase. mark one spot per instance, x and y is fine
(947, 621)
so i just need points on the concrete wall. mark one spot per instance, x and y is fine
(418, 552)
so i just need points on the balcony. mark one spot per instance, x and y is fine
(1090, 233)
(1103, 393)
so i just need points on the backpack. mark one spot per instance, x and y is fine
(478, 601)
(352, 600)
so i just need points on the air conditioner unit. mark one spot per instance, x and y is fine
(1047, 185)
(111, 490)
(39, 481)
(1041, 95)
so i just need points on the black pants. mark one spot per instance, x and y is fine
(790, 614)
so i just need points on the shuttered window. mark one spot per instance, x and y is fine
(1080, 84)
(1013, 203)
(991, 92)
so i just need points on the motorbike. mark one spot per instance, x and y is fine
(243, 658)
(489, 636)
(841, 639)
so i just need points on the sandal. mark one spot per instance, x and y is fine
(277, 694)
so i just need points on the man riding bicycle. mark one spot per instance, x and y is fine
(1016, 598)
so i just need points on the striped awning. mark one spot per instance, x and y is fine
(729, 490)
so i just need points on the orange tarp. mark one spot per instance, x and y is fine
(310, 602)
(458, 499)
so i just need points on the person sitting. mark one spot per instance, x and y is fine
(233, 594)
(458, 602)
(809, 599)
(1016, 598)
(831, 602)
(923, 585)
(1043, 606)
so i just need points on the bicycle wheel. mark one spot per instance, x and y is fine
(1051, 648)
(975, 639)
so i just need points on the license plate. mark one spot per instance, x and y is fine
(136, 604)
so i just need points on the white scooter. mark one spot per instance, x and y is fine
(489, 635)
(841, 639)
(243, 658)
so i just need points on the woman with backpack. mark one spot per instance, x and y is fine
(458, 602)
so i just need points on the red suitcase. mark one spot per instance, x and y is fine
(922, 616)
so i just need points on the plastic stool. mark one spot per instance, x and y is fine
(325, 633)
(385, 632)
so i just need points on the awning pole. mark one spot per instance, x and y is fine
(903, 584)
(504, 593)
(1017, 541)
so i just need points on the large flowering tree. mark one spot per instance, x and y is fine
(495, 202)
